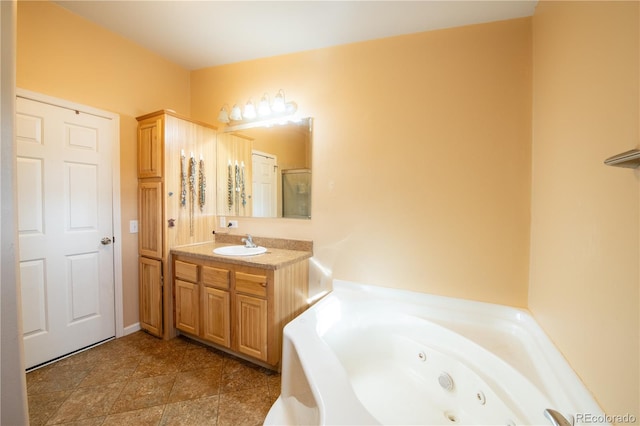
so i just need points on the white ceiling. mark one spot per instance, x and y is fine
(198, 34)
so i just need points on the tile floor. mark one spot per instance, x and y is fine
(141, 380)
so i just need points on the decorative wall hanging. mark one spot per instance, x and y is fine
(229, 186)
(192, 190)
(183, 179)
(237, 197)
(202, 184)
(198, 191)
(243, 193)
(237, 188)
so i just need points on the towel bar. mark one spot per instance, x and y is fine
(629, 159)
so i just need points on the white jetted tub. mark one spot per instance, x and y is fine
(370, 355)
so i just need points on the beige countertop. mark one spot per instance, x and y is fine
(274, 258)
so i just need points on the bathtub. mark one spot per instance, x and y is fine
(371, 355)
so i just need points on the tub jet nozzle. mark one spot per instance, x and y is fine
(446, 381)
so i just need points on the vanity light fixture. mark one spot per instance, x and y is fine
(265, 110)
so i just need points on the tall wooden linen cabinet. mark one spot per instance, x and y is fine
(176, 205)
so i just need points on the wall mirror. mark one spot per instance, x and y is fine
(264, 170)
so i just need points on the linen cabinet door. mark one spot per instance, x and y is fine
(187, 307)
(150, 242)
(150, 295)
(150, 145)
(216, 316)
(251, 326)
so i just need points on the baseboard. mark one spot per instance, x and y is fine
(132, 329)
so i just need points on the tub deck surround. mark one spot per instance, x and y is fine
(372, 355)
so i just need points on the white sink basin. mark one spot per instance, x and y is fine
(239, 250)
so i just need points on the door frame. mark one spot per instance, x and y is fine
(115, 196)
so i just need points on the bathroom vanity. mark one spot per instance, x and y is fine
(240, 304)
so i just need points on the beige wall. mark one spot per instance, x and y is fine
(585, 216)
(421, 156)
(62, 55)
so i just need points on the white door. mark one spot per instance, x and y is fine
(65, 229)
(265, 184)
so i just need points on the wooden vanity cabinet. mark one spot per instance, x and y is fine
(243, 309)
(163, 220)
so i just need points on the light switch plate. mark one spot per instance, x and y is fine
(133, 226)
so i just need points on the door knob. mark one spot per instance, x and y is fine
(105, 241)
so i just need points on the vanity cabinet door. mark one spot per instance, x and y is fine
(187, 307)
(251, 326)
(216, 315)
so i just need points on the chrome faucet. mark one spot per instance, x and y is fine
(248, 242)
(556, 418)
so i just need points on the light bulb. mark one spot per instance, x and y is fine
(278, 102)
(223, 116)
(263, 107)
(236, 114)
(249, 111)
